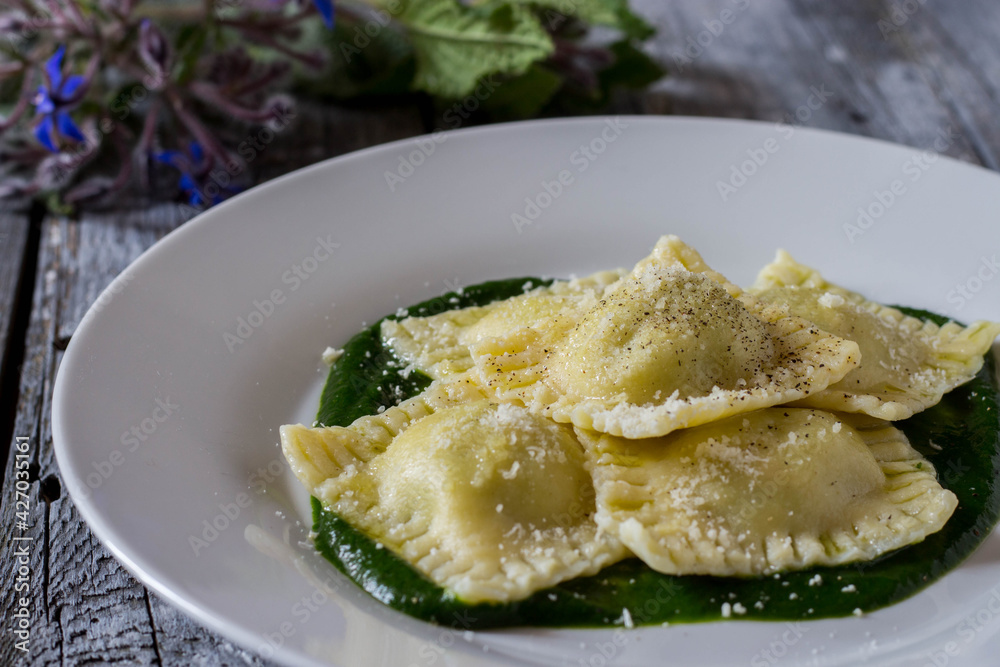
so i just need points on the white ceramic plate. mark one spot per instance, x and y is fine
(170, 395)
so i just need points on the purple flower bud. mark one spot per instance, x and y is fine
(155, 52)
(281, 111)
(226, 67)
(56, 171)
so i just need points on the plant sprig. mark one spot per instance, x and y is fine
(105, 91)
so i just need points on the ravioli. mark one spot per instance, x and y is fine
(772, 490)
(488, 501)
(907, 364)
(671, 345)
(632, 413)
(437, 345)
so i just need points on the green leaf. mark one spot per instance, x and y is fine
(190, 44)
(612, 13)
(10, 93)
(632, 68)
(363, 64)
(457, 45)
(55, 204)
(523, 96)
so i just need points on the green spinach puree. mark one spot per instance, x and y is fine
(959, 436)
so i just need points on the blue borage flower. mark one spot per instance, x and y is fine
(201, 190)
(326, 10)
(52, 104)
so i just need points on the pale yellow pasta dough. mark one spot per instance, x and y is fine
(907, 364)
(438, 345)
(488, 501)
(671, 345)
(776, 489)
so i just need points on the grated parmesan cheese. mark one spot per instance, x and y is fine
(830, 300)
(330, 355)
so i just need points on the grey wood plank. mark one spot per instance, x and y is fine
(899, 87)
(957, 42)
(22, 559)
(184, 642)
(774, 54)
(761, 65)
(322, 132)
(13, 246)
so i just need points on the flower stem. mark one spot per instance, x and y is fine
(22, 102)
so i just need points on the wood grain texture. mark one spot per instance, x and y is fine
(13, 246)
(934, 73)
(907, 86)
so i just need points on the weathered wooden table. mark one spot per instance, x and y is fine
(908, 71)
